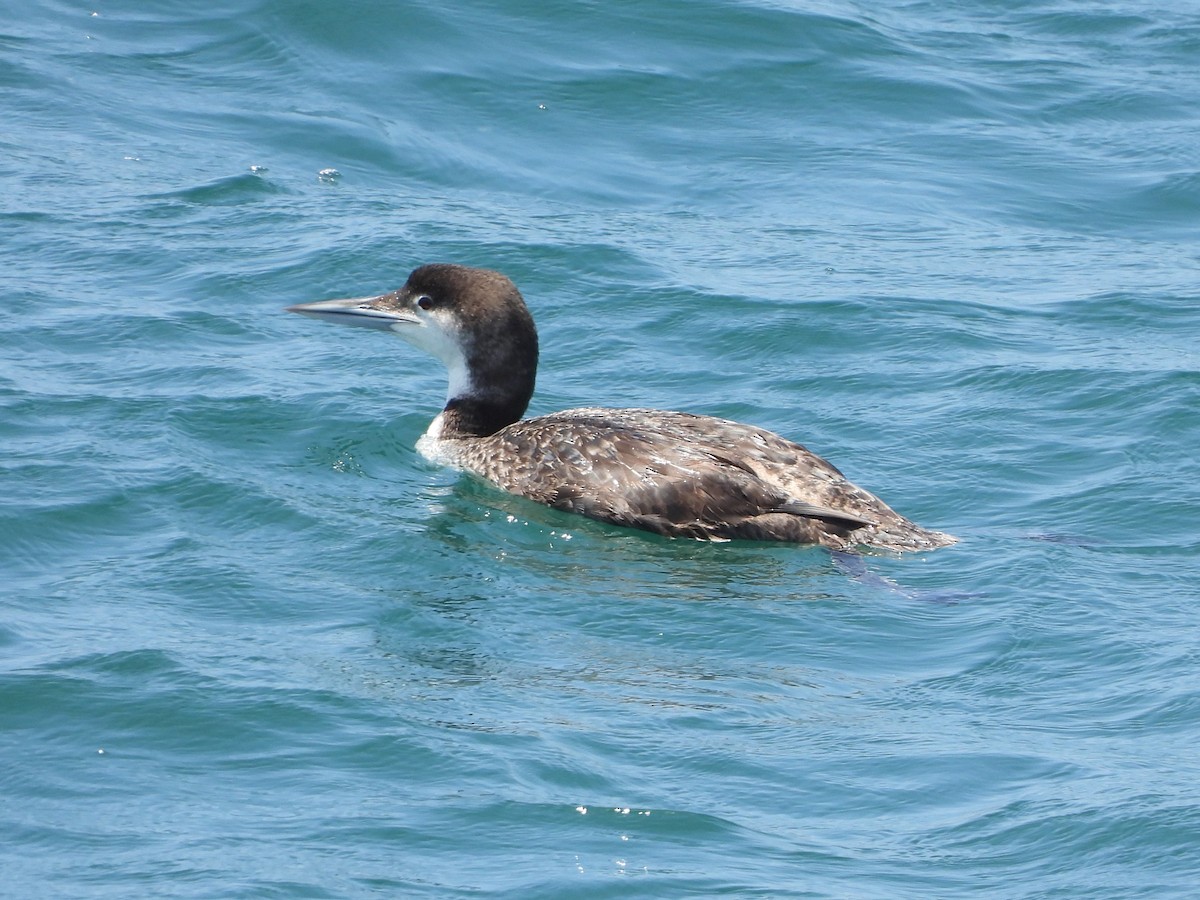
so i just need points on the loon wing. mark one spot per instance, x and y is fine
(692, 494)
(813, 511)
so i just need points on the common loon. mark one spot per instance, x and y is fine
(673, 473)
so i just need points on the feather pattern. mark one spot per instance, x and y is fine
(683, 475)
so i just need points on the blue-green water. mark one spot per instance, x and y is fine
(252, 645)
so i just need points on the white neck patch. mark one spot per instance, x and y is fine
(438, 336)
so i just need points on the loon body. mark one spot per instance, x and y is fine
(672, 473)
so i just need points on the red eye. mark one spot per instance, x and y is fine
(425, 302)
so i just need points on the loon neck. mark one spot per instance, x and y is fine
(492, 374)
(476, 415)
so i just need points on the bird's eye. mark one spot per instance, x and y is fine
(425, 301)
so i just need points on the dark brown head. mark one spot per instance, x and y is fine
(473, 320)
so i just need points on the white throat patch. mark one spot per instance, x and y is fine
(438, 336)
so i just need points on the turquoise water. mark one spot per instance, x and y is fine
(253, 645)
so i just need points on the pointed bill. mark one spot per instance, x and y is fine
(363, 312)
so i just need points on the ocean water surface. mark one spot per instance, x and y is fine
(252, 644)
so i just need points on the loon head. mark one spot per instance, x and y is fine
(474, 320)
